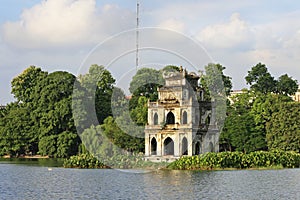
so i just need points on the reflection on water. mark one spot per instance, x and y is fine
(44, 162)
(33, 182)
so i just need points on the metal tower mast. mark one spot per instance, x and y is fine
(137, 35)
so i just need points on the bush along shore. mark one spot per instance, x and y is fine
(117, 161)
(238, 160)
(207, 161)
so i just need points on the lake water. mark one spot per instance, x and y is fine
(23, 181)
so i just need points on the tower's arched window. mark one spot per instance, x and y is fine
(168, 146)
(184, 118)
(198, 148)
(184, 149)
(207, 121)
(153, 146)
(155, 119)
(170, 118)
(211, 147)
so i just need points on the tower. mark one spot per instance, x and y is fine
(179, 120)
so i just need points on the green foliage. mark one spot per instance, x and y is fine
(145, 83)
(283, 129)
(216, 86)
(59, 146)
(16, 131)
(47, 145)
(117, 161)
(132, 140)
(286, 85)
(170, 68)
(215, 82)
(24, 84)
(67, 144)
(260, 79)
(241, 133)
(139, 113)
(83, 161)
(97, 86)
(248, 116)
(41, 120)
(109, 139)
(96, 142)
(238, 160)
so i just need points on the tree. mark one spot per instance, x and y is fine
(213, 84)
(240, 130)
(67, 144)
(23, 85)
(128, 141)
(286, 85)
(145, 83)
(52, 113)
(99, 86)
(96, 142)
(260, 80)
(283, 129)
(140, 112)
(263, 108)
(215, 80)
(16, 131)
(52, 104)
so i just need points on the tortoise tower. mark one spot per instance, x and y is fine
(179, 120)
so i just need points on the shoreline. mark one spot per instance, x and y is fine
(205, 169)
(27, 157)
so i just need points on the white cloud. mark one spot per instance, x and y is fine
(66, 22)
(173, 24)
(233, 34)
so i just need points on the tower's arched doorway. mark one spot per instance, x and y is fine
(184, 148)
(184, 118)
(168, 146)
(155, 119)
(197, 148)
(170, 118)
(211, 147)
(153, 146)
(207, 121)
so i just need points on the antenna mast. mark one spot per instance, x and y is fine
(137, 35)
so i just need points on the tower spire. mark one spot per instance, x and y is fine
(137, 35)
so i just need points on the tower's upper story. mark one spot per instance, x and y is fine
(181, 78)
(180, 87)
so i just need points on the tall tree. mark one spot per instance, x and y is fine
(99, 84)
(240, 131)
(215, 80)
(264, 105)
(52, 113)
(145, 83)
(16, 132)
(260, 79)
(23, 85)
(286, 85)
(139, 114)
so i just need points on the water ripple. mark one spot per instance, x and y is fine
(32, 182)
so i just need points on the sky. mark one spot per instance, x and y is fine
(69, 35)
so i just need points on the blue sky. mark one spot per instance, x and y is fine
(59, 34)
